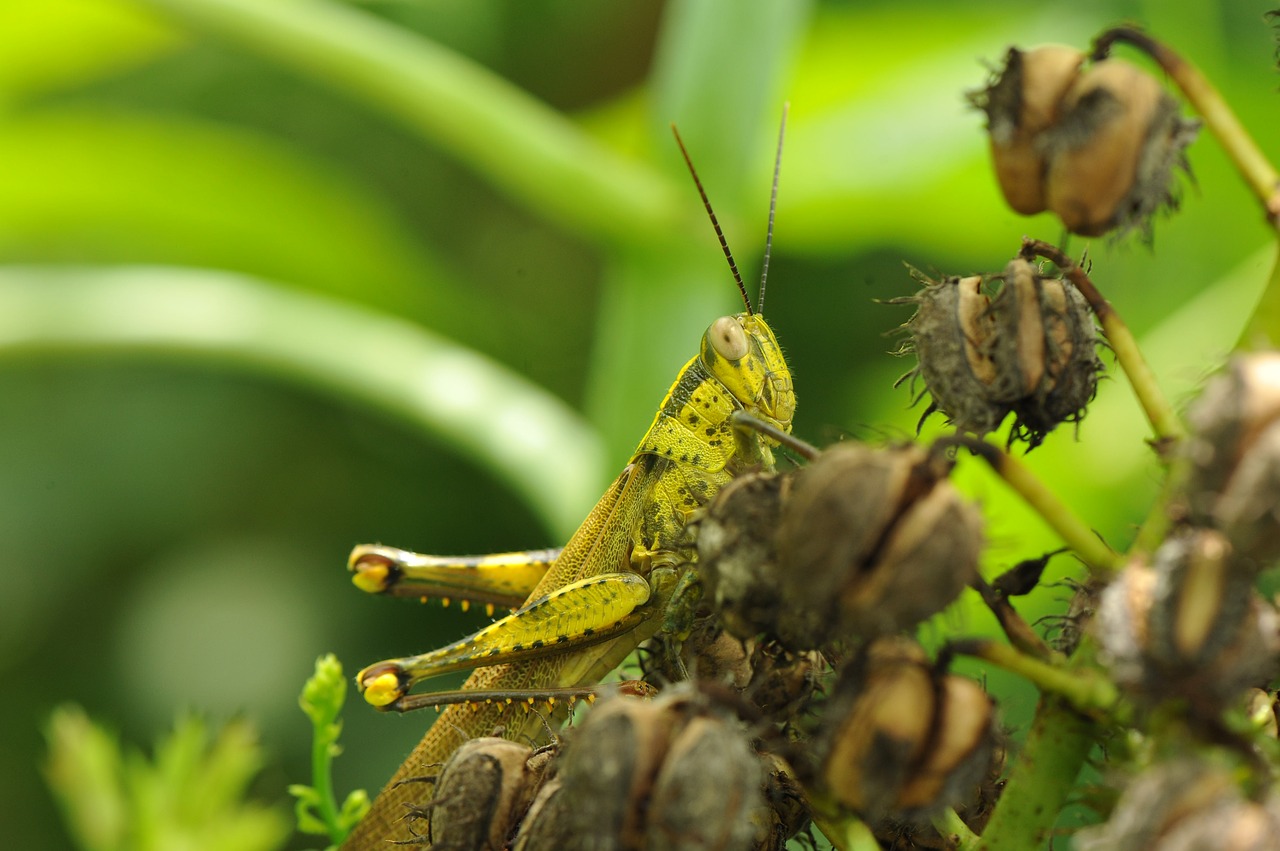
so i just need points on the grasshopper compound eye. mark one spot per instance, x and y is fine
(727, 339)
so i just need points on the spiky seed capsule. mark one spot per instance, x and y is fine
(481, 794)
(1231, 461)
(1030, 350)
(737, 556)
(1189, 626)
(1185, 805)
(1021, 103)
(862, 542)
(1112, 153)
(900, 740)
(950, 335)
(649, 774)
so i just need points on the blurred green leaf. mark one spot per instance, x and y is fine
(524, 435)
(62, 43)
(521, 145)
(108, 187)
(191, 795)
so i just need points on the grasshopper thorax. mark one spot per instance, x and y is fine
(742, 353)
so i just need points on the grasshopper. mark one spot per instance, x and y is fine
(583, 609)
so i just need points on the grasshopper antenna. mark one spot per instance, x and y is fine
(724, 245)
(773, 206)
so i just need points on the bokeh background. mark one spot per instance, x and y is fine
(277, 278)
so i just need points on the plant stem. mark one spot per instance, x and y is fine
(1100, 558)
(948, 824)
(1041, 779)
(1085, 689)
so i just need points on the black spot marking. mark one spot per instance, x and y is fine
(588, 631)
(517, 647)
(537, 643)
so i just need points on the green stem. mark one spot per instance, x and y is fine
(1080, 538)
(948, 824)
(523, 146)
(1086, 689)
(1041, 780)
(322, 782)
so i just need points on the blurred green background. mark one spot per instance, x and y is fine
(277, 278)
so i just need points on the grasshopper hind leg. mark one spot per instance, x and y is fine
(580, 614)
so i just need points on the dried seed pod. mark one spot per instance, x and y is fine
(1182, 806)
(1021, 103)
(950, 335)
(1112, 152)
(899, 740)
(481, 794)
(871, 542)
(1045, 351)
(1231, 461)
(868, 541)
(708, 792)
(763, 674)
(1189, 626)
(663, 773)
(1029, 350)
(737, 555)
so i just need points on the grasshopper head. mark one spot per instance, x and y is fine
(743, 354)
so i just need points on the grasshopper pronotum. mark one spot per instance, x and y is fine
(584, 608)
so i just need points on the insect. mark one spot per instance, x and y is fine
(583, 609)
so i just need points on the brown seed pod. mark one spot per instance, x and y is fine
(1189, 626)
(950, 336)
(1045, 351)
(871, 542)
(1029, 349)
(737, 555)
(481, 794)
(547, 825)
(708, 792)
(1112, 153)
(1231, 461)
(868, 541)
(899, 740)
(647, 774)
(1021, 103)
(1183, 806)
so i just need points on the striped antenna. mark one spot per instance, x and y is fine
(773, 206)
(728, 255)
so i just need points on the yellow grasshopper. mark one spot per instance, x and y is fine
(585, 608)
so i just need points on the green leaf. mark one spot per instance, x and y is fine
(192, 794)
(63, 43)
(524, 147)
(523, 434)
(97, 186)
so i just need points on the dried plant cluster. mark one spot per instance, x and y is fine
(806, 695)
